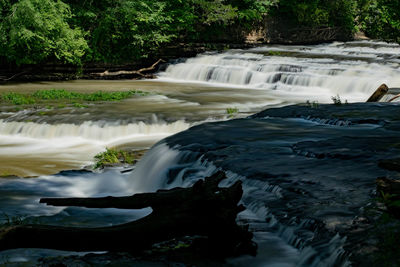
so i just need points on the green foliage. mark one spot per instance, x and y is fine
(215, 12)
(313, 104)
(336, 100)
(76, 32)
(380, 19)
(231, 111)
(55, 94)
(130, 29)
(318, 13)
(35, 31)
(73, 31)
(275, 53)
(79, 105)
(112, 156)
(17, 99)
(61, 94)
(111, 96)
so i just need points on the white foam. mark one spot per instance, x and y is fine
(354, 78)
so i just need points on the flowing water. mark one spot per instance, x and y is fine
(188, 93)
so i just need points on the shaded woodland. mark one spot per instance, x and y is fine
(109, 31)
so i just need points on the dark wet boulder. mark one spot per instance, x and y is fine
(311, 169)
(204, 210)
(390, 164)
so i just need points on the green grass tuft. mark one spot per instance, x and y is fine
(112, 156)
(18, 99)
(313, 104)
(64, 95)
(275, 53)
(231, 111)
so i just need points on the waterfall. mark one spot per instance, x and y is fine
(92, 131)
(199, 90)
(164, 167)
(29, 149)
(351, 70)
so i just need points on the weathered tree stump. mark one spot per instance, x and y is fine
(201, 210)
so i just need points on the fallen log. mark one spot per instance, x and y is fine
(201, 210)
(125, 73)
(3, 80)
(379, 93)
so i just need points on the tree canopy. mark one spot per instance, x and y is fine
(36, 30)
(75, 32)
(381, 19)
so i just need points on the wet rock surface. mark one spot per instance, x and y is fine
(307, 179)
(321, 175)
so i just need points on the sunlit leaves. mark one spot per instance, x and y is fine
(73, 31)
(37, 30)
(381, 19)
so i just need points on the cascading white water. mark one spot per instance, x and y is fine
(92, 131)
(49, 147)
(203, 87)
(164, 167)
(314, 72)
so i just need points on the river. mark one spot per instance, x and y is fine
(188, 93)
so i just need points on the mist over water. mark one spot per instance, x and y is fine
(186, 94)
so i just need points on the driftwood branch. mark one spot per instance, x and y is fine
(126, 73)
(393, 98)
(201, 210)
(13, 77)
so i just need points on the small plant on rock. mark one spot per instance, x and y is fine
(231, 111)
(336, 100)
(112, 156)
(313, 104)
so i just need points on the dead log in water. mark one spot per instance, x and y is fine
(201, 210)
(126, 74)
(5, 79)
(379, 93)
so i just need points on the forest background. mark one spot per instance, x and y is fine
(118, 31)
